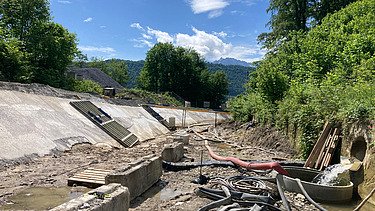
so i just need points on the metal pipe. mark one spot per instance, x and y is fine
(257, 166)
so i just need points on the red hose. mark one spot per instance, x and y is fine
(257, 166)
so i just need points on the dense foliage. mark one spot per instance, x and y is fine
(87, 86)
(134, 68)
(116, 69)
(296, 15)
(32, 47)
(237, 76)
(325, 74)
(182, 71)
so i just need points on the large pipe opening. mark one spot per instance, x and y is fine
(358, 149)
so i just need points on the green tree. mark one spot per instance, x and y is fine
(52, 48)
(115, 68)
(218, 88)
(182, 71)
(286, 16)
(327, 73)
(46, 46)
(13, 66)
(321, 8)
(20, 16)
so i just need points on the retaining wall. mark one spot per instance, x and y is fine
(108, 197)
(138, 176)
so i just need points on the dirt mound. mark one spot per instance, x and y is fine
(265, 137)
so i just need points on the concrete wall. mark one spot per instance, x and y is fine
(138, 176)
(358, 142)
(115, 197)
(192, 116)
(37, 124)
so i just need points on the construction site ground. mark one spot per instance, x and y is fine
(174, 191)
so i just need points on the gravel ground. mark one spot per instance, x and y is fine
(174, 191)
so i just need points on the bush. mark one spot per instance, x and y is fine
(87, 86)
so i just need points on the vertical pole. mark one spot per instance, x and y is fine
(215, 118)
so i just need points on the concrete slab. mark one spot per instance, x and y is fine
(138, 176)
(38, 124)
(108, 197)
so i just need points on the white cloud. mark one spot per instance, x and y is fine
(210, 46)
(220, 34)
(201, 6)
(161, 36)
(147, 37)
(87, 20)
(141, 43)
(136, 25)
(64, 2)
(97, 49)
(213, 7)
(103, 27)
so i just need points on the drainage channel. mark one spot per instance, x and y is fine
(106, 123)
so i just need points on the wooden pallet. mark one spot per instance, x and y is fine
(91, 178)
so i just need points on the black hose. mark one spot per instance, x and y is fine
(308, 197)
(220, 202)
(180, 166)
(280, 185)
(170, 166)
(216, 196)
(241, 195)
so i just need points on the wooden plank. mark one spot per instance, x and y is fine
(323, 149)
(90, 177)
(318, 146)
(326, 150)
(328, 154)
(87, 180)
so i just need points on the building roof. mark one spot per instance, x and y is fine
(96, 75)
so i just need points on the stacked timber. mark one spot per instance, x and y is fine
(322, 153)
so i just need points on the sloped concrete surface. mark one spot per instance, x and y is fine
(38, 124)
(192, 116)
(136, 120)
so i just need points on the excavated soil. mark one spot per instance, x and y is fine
(174, 191)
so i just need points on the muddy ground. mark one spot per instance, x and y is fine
(174, 191)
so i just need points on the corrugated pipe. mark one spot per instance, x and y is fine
(257, 166)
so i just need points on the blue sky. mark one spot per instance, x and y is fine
(127, 29)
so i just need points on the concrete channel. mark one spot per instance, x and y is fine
(32, 124)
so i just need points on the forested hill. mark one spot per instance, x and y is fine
(237, 75)
(134, 68)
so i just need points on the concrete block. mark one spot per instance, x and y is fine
(173, 152)
(184, 138)
(179, 137)
(172, 122)
(107, 197)
(138, 176)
